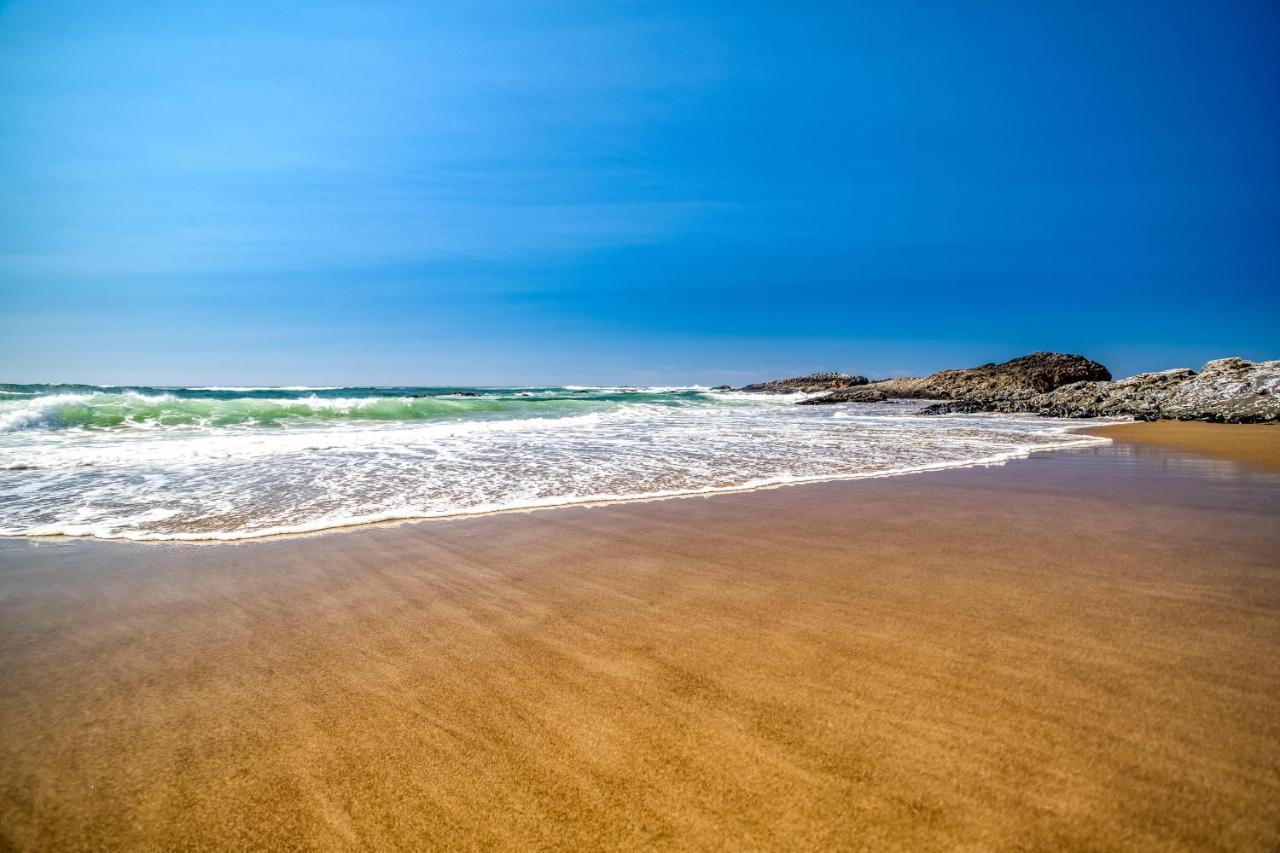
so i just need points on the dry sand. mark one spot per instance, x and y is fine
(1076, 651)
(1253, 444)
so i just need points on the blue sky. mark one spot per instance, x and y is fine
(407, 192)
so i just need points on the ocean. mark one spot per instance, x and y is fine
(227, 463)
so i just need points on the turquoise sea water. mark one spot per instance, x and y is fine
(96, 407)
(195, 463)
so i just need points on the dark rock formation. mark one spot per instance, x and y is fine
(1011, 380)
(1229, 390)
(810, 384)
(1137, 395)
(862, 394)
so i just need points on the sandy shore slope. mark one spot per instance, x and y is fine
(1076, 651)
(1254, 444)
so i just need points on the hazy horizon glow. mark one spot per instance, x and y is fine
(647, 193)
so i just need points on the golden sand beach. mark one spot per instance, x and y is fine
(1077, 651)
(1257, 445)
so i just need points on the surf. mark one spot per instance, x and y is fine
(233, 462)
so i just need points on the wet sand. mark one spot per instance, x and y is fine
(1076, 651)
(1253, 444)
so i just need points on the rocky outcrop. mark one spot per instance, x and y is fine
(811, 384)
(1017, 379)
(1228, 390)
(862, 394)
(1133, 396)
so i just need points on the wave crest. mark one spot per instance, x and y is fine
(114, 410)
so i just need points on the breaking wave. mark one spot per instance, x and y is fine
(71, 407)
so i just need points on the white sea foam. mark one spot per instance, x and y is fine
(197, 481)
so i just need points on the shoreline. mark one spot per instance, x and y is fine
(1073, 650)
(1256, 445)
(397, 520)
(1250, 444)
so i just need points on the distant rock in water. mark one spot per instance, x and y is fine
(1228, 390)
(810, 384)
(1019, 378)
